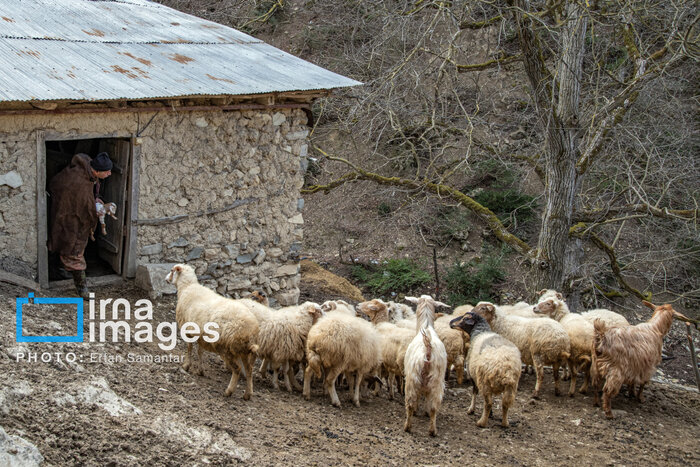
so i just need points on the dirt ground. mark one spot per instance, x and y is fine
(104, 409)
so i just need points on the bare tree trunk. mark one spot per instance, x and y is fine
(557, 100)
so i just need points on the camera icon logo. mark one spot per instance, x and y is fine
(21, 301)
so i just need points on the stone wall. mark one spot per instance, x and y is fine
(191, 162)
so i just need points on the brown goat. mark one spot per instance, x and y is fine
(628, 355)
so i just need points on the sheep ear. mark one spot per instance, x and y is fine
(411, 299)
(442, 304)
(541, 291)
(177, 268)
(649, 305)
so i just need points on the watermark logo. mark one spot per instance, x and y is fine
(120, 327)
(21, 301)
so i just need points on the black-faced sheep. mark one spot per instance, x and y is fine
(494, 365)
(541, 341)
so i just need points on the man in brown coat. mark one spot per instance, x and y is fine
(73, 213)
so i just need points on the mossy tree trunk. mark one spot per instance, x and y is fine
(557, 99)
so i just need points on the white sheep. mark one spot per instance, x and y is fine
(461, 310)
(237, 327)
(609, 318)
(425, 364)
(456, 346)
(409, 323)
(339, 343)
(282, 339)
(340, 306)
(395, 340)
(494, 365)
(580, 334)
(399, 311)
(541, 341)
(523, 309)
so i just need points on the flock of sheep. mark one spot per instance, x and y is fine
(390, 344)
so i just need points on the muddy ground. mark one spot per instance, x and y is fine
(103, 409)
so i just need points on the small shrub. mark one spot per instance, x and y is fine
(508, 204)
(395, 275)
(473, 282)
(385, 209)
(494, 173)
(449, 223)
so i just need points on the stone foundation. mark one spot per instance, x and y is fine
(190, 163)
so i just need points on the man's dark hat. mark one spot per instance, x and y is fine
(101, 162)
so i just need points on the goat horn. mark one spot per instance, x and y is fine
(682, 317)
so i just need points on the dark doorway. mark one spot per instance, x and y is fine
(104, 256)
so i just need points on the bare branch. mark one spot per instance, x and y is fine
(579, 231)
(502, 60)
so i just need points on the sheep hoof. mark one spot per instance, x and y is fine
(583, 391)
(505, 424)
(246, 397)
(571, 394)
(470, 411)
(432, 433)
(536, 395)
(609, 415)
(336, 404)
(227, 393)
(482, 424)
(357, 404)
(407, 428)
(557, 392)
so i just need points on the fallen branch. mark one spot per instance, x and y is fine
(502, 60)
(482, 212)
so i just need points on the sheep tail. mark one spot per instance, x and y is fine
(425, 372)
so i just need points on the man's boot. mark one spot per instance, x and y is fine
(81, 284)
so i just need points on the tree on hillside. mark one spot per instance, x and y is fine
(587, 64)
(591, 102)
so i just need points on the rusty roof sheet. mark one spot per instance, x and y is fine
(137, 49)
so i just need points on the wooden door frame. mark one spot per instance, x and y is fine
(129, 255)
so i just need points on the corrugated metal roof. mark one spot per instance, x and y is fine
(136, 49)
